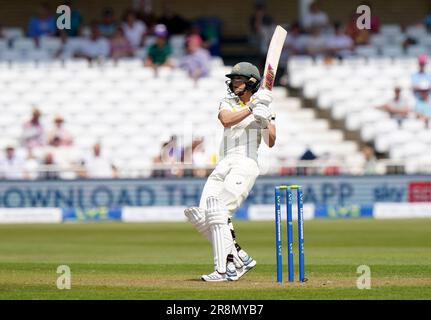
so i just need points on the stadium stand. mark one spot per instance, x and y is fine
(351, 90)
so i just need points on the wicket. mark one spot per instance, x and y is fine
(278, 241)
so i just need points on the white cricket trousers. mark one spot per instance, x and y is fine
(231, 182)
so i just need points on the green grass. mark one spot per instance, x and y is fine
(165, 261)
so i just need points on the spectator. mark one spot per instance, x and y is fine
(171, 156)
(108, 27)
(158, 172)
(261, 27)
(370, 165)
(397, 107)
(339, 44)
(31, 166)
(32, 135)
(95, 47)
(423, 103)
(134, 29)
(359, 36)
(145, 14)
(315, 17)
(173, 22)
(172, 152)
(375, 21)
(65, 50)
(49, 169)
(199, 158)
(1, 32)
(315, 44)
(158, 53)
(295, 41)
(293, 45)
(11, 166)
(97, 166)
(195, 155)
(120, 46)
(308, 155)
(197, 60)
(43, 24)
(59, 136)
(421, 76)
(210, 28)
(76, 21)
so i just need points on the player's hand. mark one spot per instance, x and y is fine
(263, 96)
(262, 115)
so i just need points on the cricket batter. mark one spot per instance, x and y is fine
(246, 117)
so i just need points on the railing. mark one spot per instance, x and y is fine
(162, 170)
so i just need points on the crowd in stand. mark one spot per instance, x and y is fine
(41, 152)
(401, 108)
(138, 33)
(116, 38)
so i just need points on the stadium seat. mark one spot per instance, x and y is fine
(367, 51)
(13, 33)
(414, 51)
(392, 51)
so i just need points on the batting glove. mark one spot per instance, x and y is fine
(263, 96)
(262, 115)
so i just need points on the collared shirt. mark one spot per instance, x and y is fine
(245, 137)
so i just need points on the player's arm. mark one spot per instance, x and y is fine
(229, 118)
(270, 134)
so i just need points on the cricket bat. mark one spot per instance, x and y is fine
(272, 57)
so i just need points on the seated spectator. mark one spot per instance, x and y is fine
(59, 136)
(397, 107)
(32, 135)
(108, 27)
(315, 18)
(339, 44)
(315, 44)
(134, 29)
(172, 153)
(308, 155)
(158, 53)
(76, 20)
(97, 166)
(170, 160)
(120, 46)
(31, 166)
(44, 24)
(261, 28)
(375, 21)
(422, 107)
(295, 41)
(199, 158)
(157, 171)
(197, 60)
(359, 36)
(11, 166)
(49, 168)
(145, 14)
(95, 47)
(195, 155)
(370, 164)
(422, 75)
(210, 29)
(173, 22)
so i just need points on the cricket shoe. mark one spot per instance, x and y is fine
(230, 275)
(249, 263)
